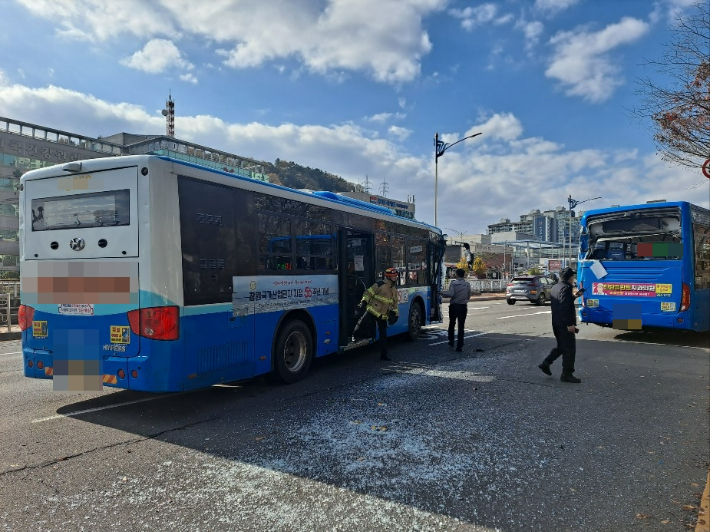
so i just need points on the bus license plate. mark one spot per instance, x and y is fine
(668, 306)
(592, 303)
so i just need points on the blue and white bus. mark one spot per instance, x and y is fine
(175, 276)
(646, 263)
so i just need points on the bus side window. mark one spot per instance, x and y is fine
(209, 242)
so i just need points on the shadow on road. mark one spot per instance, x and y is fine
(665, 337)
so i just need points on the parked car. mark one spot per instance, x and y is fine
(533, 288)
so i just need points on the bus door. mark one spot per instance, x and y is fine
(436, 260)
(357, 273)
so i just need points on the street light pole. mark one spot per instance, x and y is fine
(440, 148)
(460, 233)
(572, 204)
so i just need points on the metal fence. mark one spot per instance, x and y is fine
(9, 301)
(10, 287)
(5, 315)
(480, 286)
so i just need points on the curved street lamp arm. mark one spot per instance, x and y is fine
(573, 203)
(442, 146)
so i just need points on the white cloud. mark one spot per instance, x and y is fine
(384, 38)
(385, 117)
(479, 183)
(400, 132)
(669, 10)
(505, 127)
(157, 56)
(189, 78)
(471, 17)
(97, 20)
(581, 60)
(532, 32)
(554, 6)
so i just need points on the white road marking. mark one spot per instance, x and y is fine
(8, 354)
(477, 308)
(525, 315)
(465, 338)
(59, 416)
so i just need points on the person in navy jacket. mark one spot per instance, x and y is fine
(564, 320)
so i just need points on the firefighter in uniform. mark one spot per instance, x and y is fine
(381, 303)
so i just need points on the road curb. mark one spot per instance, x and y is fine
(703, 523)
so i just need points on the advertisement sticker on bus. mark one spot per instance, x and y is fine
(39, 329)
(120, 334)
(631, 289)
(275, 293)
(403, 295)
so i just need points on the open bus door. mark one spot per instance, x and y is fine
(357, 273)
(436, 258)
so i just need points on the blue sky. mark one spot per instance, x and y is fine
(359, 88)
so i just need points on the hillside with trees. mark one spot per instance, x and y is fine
(294, 175)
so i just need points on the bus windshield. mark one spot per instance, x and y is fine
(636, 235)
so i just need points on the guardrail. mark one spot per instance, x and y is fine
(10, 287)
(479, 286)
(5, 315)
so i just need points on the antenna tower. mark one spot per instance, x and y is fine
(366, 184)
(384, 187)
(169, 114)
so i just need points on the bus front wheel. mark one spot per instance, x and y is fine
(416, 318)
(293, 351)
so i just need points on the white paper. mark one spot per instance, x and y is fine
(598, 270)
(359, 263)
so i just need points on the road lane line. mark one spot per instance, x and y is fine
(8, 354)
(465, 338)
(525, 315)
(87, 411)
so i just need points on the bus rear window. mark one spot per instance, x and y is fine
(99, 209)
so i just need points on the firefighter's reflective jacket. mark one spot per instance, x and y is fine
(381, 298)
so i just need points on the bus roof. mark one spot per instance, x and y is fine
(642, 206)
(108, 163)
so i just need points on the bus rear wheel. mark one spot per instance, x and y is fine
(415, 321)
(293, 351)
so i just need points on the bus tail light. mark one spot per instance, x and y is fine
(685, 298)
(25, 315)
(156, 323)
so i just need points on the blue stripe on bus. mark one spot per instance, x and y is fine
(211, 349)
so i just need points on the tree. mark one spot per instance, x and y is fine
(479, 267)
(680, 112)
(462, 264)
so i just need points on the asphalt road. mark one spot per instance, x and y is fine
(434, 440)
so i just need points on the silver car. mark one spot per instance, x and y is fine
(533, 288)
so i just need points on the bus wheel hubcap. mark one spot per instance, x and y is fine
(295, 351)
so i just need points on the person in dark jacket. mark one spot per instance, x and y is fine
(460, 292)
(564, 319)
